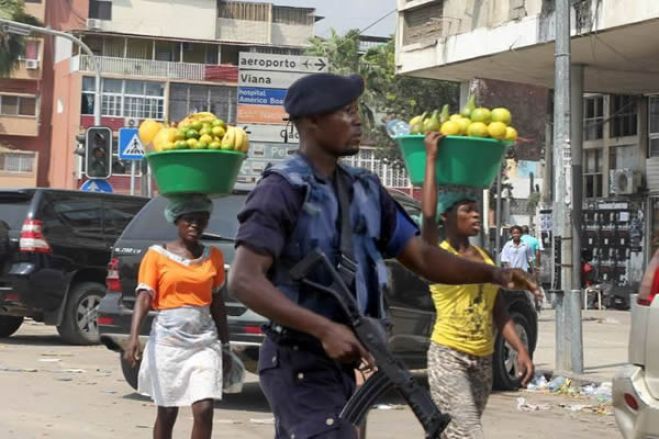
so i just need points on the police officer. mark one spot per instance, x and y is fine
(307, 361)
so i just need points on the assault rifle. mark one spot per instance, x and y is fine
(391, 373)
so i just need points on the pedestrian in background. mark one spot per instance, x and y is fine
(183, 360)
(311, 201)
(535, 246)
(515, 253)
(462, 342)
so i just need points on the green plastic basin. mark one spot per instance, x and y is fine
(462, 161)
(204, 171)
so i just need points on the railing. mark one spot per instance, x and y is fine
(157, 69)
(391, 176)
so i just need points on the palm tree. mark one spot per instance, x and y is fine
(12, 46)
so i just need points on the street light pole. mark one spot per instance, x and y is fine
(569, 352)
(18, 28)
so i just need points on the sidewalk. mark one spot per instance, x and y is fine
(605, 342)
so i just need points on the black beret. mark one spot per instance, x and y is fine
(321, 93)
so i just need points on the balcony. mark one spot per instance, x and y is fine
(143, 68)
(11, 125)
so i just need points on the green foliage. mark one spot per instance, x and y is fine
(387, 94)
(12, 46)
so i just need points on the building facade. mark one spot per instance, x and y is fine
(612, 50)
(159, 63)
(25, 113)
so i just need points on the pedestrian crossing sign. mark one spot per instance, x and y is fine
(130, 145)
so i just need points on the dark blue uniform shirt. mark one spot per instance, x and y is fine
(271, 210)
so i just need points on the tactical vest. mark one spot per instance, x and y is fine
(317, 226)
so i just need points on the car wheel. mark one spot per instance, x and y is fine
(130, 372)
(504, 367)
(79, 325)
(9, 325)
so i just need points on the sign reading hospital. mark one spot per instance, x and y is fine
(261, 96)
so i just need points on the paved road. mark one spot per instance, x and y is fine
(52, 390)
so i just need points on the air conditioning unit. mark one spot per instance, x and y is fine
(624, 181)
(131, 122)
(94, 24)
(31, 64)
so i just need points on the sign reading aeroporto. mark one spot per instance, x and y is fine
(263, 81)
(282, 63)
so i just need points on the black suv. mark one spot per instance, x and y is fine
(54, 250)
(409, 302)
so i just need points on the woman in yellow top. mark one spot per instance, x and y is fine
(460, 353)
(183, 358)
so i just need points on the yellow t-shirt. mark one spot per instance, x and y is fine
(464, 313)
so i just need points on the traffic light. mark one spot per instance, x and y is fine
(98, 152)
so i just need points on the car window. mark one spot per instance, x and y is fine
(117, 214)
(13, 211)
(65, 214)
(150, 224)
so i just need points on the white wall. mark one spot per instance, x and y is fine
(291, 34)
(191, 19)
(243, 31)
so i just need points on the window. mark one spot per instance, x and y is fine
(125, 98)
(31, 51)
(187, 98)
(100, 9)
(16, 162)
(593, 117)
(654, 126)
(168, 51)
(593, 173)
(18, 105)
(116, 216)
(623, 116)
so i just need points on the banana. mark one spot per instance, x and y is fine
(242, 141)
(229, 139)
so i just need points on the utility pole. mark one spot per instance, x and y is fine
(15, 27)
(569, 352)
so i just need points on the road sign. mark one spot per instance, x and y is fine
(130, 145)
(282, 63)
(96, 185)
(261, 96)
(265, 114)
(271, 133)
(266, 79)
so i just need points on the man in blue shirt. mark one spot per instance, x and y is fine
(535, 245)
(307, 361)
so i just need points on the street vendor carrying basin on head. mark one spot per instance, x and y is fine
(307, 362)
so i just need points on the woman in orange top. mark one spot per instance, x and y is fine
(183, 358)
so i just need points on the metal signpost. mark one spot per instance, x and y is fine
(131, 148)
(263, 81)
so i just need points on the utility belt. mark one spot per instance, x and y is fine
(287, 337)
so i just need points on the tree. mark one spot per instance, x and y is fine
(12, 46)
(387, 94)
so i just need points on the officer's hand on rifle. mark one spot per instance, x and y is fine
(341, 344)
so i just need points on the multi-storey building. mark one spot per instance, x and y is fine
(613, 68)
(25, 113)
(158, 61)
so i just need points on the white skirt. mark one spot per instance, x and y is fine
(182, 360)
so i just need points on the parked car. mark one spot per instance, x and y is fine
(54, 250)
(636, 387)
(410, 305)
